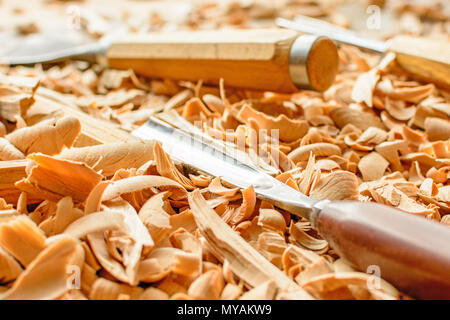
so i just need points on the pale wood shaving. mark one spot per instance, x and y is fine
(46, 277)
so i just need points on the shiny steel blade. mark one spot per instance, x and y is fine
(216, 162)
(319, 27)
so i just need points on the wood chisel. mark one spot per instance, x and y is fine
(273, 59)
(424, 58)
(408, 250)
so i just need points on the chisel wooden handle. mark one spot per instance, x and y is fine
(426, 59)
(411, 252)
(266, 59)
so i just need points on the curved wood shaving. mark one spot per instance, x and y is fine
(318, 149)
(157, 265)
(265, 291)
(289, 130)
(16, 95)
(372, 166)
(245, 262)
(364, 86)
(362, 120)
(47, 176)
(313, 270)
(65, 214)
(108, 158)
(194, 107)
(372, 135)
(303, 239)
(8, 151)
(437, 128)
(423, 112)
(248, 206)
(141, 240)
(339, 286)
(208, 286)
(200, 181)
(216, 187)
(100, 249)
(189, 262)
(338, 185)
(214, 103)
(138, 183)
(153, 294)
(231, 292)
(46, 277)
(103, 289)
(167, 169)
(10, 269)
(95, 222)
(94, 199)
(47, 138)
(271, 245)
(398, 110)
(271, 219)
(390, 151)
(410, 94)
(22, 239)
(155, 218)
(294, 256)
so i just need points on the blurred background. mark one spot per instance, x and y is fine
(85, 20)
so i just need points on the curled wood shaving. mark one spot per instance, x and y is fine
(337, 185)
(8, 151)
(16, 95)
(289, 130)
(167, 169)
(216, 187)
(362, 120)
(95, 222)
(189, 261)
(318, 149)
(271, 219)
(10, 269)
(348, 285)
(244, 260)
(132, 184)
(373, 166)
(46, 277)
(410, 94)
(390, 151)
(153, 294)
(104, 289)
(65, 214)
(155, 218)
(46, 137)
(437, 128)
(265, 291)
(21, 238)
(300, 237)
(108, 158)
(231, 292)
(47, 176)
(208, 286)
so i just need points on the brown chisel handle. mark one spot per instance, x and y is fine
(261, 59)
(412, 253)
(426, 59)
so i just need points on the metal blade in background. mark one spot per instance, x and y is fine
(322, 28)
(219, 163)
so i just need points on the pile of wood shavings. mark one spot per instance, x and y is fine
(137, 226)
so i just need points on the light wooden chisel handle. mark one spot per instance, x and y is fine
(425, 59)
(409, 251)
(263, 59)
